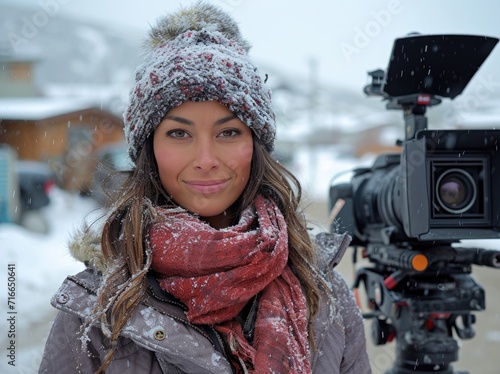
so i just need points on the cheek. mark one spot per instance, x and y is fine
(241, 159)
(168, 166)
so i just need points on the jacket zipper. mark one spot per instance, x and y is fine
(249, 324)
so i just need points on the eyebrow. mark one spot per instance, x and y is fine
(188, 122)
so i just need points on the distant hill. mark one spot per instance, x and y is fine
(69, 51)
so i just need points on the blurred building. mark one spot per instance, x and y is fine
(64, 132)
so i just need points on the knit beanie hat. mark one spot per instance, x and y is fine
(197, 54)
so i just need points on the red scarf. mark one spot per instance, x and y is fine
(215, 273)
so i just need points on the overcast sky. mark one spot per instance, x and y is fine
(345, 38)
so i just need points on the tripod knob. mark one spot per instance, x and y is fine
(382, 332)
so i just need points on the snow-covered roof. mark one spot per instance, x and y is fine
(38, 108)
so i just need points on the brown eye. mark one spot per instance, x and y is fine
(228, 133)
(177, 134)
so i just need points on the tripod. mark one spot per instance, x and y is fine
(419, 307)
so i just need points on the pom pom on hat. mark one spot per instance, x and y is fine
(198, 18)
(197, 54)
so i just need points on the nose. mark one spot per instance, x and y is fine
(206, 157)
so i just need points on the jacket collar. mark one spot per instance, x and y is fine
(155, 325)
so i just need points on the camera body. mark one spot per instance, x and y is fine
(444, 186)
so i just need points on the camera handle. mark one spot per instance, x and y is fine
(414, 107)
(421, 309)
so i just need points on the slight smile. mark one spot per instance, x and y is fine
(207, 187)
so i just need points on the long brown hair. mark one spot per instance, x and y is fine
(125, 251)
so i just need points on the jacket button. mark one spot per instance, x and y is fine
(62, 298)
(159, 334)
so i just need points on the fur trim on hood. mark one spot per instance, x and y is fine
(85, 246)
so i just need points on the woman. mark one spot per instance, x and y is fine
(204, 264)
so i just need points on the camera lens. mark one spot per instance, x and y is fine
(456, 191)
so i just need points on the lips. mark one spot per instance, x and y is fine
(207, 187)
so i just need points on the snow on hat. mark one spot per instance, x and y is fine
(197, 54)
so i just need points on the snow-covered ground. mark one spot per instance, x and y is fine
(41, 263)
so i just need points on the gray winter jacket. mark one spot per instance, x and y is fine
(159, 339)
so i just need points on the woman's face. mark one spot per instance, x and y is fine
(204, 155)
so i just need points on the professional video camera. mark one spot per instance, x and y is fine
(409, 210)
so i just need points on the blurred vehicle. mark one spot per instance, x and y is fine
(9, 185)
(113, 163)
(36, 180)
(25, 188)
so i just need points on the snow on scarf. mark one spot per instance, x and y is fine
(215, 273)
